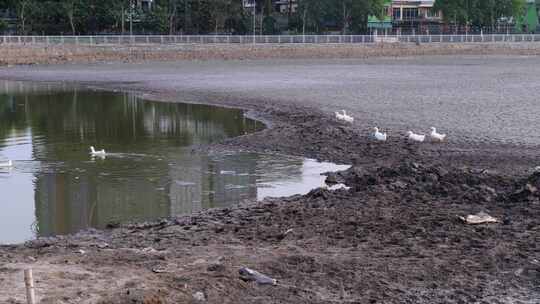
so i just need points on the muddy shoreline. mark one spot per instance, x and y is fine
(394, 237)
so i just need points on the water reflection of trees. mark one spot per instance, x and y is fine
(103, 117)
(12, 119)
(75, 194)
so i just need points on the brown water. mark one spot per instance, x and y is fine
(56, 187)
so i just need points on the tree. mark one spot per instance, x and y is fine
(237, 21)
(218, 12)
(159, 20)
(22, 8)
(312, 14)
(230, 16)
(172, 15)
(344, 8)
(118, 12)
(163, 18)
(104, 16)
(3, 26)
(480, 13)
(74, 10)
(352, 15)
(201, 17)
(348, 15)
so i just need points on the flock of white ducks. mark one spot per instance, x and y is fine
(344, 117)
(379, 136)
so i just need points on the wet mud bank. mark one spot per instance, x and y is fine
(396, 236)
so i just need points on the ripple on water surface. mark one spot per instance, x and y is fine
(56, 187)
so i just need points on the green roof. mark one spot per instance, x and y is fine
(374, 22)
(374, 19)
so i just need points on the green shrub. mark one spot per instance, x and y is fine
(3, 26)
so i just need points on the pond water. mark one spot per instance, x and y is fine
(56, 187)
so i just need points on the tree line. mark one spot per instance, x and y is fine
(480, 13)
(189, 16)
(77, 17)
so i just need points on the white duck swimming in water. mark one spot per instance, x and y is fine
(6, 164)
(436, 136)
(416, 137)
(100, 153)
(378, 135)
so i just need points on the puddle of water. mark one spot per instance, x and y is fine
(56, 187)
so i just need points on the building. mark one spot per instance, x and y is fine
(145, 5)
(280, 6)
(407, 17)
(248, 3)
(382, 26)
(415, 17)
(286, 6)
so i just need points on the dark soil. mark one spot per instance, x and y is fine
(395, 237)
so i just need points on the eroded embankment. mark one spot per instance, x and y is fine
(12, 54)
(395, 237)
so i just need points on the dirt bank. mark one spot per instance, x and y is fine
(394, 237)
(11, 54)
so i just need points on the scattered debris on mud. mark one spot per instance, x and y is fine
(391, 234)
(394, 237)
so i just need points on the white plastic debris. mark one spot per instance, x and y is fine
(288, 231)
(102, 245)
(225, 172)
(337, 187)
(149, 250)
(199, 296)
(247, 274)
(159, 269)
(480, 218)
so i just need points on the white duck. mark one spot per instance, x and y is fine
(6, 164)
(436, 136)
(100, 153)
(416, 137)
(347, 118)
(343, 116)
(378, 135)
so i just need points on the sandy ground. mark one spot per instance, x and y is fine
(394, 237)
